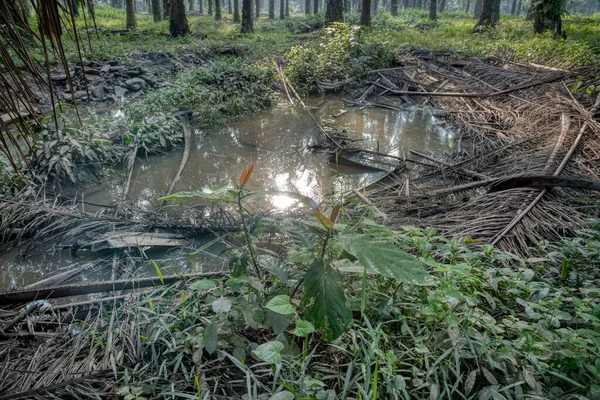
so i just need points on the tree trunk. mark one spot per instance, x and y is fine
(468, 6)
(513, 8)
(281, 9)
(307, 7)
(316, 6)
(432, 10)
(488, 14)
(247, 24)
(217, 10)
(201, 7)
(548, 16)
(190, 5)
(156, 10)
(130, 20)
(229, 8)
(365, 15)
(210, 7)
(334, 11)
(236, 11)
(394, 8)
(257, 9)
(166, 8)
(271, 9)
(179, 24)
(442, 5)
(478, 8)
(287, 8)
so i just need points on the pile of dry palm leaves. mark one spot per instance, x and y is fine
(527, 172)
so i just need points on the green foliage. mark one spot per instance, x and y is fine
(345, 51)
(226, 88)
(72, 153)
(155, 132)
(304, 24)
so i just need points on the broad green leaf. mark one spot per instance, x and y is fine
(281, 305)
(327, 310)
(269, 352)
(203, 284)
(209, 338)
(387, 259)
(221, 306)
(303, 328)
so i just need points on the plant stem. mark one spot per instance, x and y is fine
(247, 236)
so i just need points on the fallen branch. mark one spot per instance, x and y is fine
(187, 137)
(445, 164)
(519, 181)
(475, 95)
(24, 296)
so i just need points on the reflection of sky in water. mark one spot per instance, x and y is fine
(277, 142)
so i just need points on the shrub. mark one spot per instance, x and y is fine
(346, 51)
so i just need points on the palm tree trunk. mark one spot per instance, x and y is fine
(156, 10)
(271, 9)
(432, 10)
(179, 25)
(236, 11)
(394, 8)
(365, 15)
(210, 7)
(130, 20)
(247, 24)
(282, 9)
(217, 10)
(488, 16)
(334, 11)
(287, 8)
(307, 7)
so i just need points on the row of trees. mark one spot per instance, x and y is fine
(546, 14)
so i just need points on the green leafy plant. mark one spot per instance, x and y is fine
(154, 133)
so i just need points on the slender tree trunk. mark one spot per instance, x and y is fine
(201, 7)
(236, 11)
(257, 9)
(442, 5)
(334, 11)
(247, 24)
(156, 10)
(166, 8)
(130, 20)
(365, 15)
(394, 8)
(217, 10)
(468, 6)
(229, 8)
(271, 9)
(513, 8)
(210, 7)
(316, 6)
(307, 7)
(281, 9)
(287, 8)
(488, 14)
(432, 10)
(179, 24)
(190, 5)
(520, 4)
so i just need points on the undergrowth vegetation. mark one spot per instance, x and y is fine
(351, 309)
(225, 89)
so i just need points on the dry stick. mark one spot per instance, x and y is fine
(465, 171)
(22, 314)
(476, 95)
(522, 214)
(22, 296)
(367, 201)
(518, 181)
(187, 138)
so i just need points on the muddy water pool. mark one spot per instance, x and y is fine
(277, 141)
